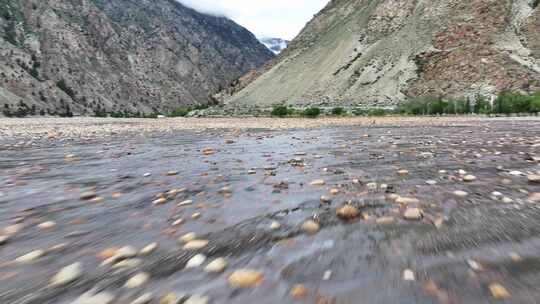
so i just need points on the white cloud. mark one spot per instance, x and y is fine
(265, 18)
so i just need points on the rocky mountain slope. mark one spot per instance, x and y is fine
(86, 56)
(379, 52)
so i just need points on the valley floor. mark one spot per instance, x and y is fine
(439, 210)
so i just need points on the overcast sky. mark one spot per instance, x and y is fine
(265, 18)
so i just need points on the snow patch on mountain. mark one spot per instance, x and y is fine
(276, 45)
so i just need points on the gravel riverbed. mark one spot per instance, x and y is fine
(238, 210)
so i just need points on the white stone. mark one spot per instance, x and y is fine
(188, 237)
(460, 193)
(137, 280)
(185, 203)
(148, 249)
(144, 299)
(128, 263)
(99, 298)
(67, 275)
(327, 275)
(47, 225)
(408, 275)
(30, 257)
(216, 266)
(197, 299)
(196, 261)
(275, 225)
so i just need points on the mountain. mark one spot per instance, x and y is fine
(380, 52)
(86, 56)
(276, 45)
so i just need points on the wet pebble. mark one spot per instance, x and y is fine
(408, 275)
(178, 222)
(225, 190)
(534, 197)
(348, 212)
(47, 225)
(97, 200)
(125, 253)
(98, 298)
(275, 225)
(159, 201)
(30, 257)
(244, 278)
(208, 151)
(407, 200)
(413, 214)
(137, 280)
(197, 299)
(143, 299)
(188, 237)
(507, 200)
(171, 298)
(327, 275)
(403, 172)
(460, 193)
(128, 263)
(13, 229)
(148, 249)
(326, 199)
(216, 266)
(3, 239)
(534, 178)
(311, 227)
(469, 178)
(385, 220)
(318, 182)
(196, 261)
(474, 265)
(87, 195)
(299, 292)
(195, 245)
(185, 203)
(67, 275)
(498, 291)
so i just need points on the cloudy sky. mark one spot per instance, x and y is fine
(265, 18)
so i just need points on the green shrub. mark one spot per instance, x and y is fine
(180, 112)
(481, 106)
(338, 111)
(359, 112)
(377, 112)
(534, 106)
(509, 102)
(312, 112)
(280, 111)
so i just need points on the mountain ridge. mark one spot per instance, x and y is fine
(376, 53)
(89, 56)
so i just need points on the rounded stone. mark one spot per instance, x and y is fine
(196, 261)
(348, 212)
(311, 227)
(413, 214)
(195, 244)
(216, 266)
(245, 278)
(137, 280)
(67, 275)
